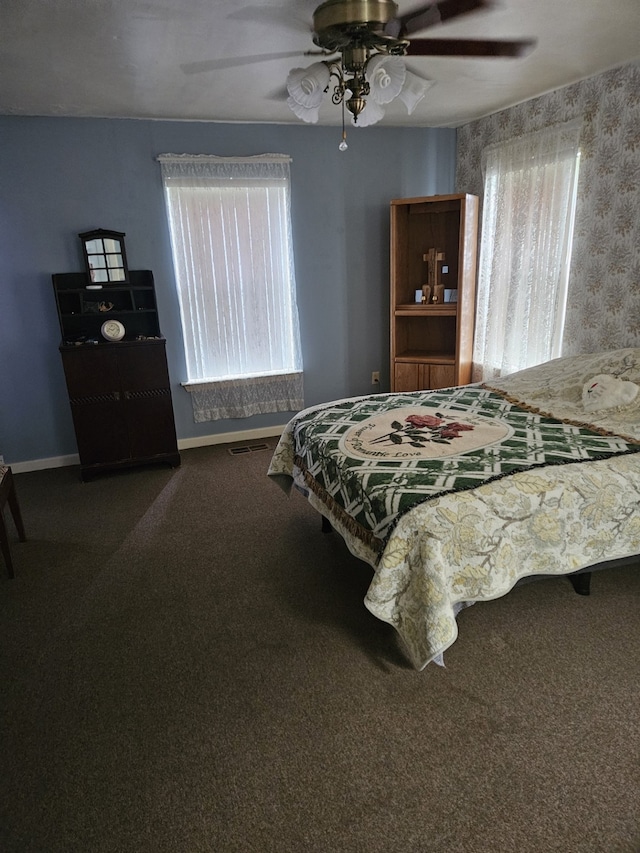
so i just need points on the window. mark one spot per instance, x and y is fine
(230, 226)
(530, 187)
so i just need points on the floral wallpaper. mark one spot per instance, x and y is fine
(603, 306)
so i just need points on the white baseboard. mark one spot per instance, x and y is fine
(228, 437)
(183, 444)
(40, 464)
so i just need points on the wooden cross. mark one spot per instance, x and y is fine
(432, 257)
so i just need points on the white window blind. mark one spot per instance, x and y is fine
(230, 226)
(530, 189)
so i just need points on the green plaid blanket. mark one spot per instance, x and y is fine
(371, 460)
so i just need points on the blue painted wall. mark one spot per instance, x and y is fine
(61, 176)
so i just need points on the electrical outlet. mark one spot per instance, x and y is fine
(1, 459)
(375, 377)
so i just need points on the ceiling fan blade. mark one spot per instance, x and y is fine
(469, 47)
(280, 94)
(235, 61)
(431, 14)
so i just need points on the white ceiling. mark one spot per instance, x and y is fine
(139, 58)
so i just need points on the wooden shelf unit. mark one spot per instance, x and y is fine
(431, 344)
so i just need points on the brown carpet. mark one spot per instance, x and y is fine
(187, 666)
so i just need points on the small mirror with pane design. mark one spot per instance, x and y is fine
(105, 257)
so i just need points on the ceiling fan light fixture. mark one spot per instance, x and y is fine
(414, 90)
(386, 76)
(306, 86)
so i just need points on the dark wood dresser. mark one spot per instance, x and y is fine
(119, 391)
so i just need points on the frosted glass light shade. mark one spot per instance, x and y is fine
(385, 75)
(414, 90)
(307, 85)
(308, 114)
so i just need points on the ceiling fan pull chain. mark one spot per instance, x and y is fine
(343, 144)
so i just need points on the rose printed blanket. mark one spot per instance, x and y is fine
(372, 460)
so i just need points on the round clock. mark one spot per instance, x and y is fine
(112, 330)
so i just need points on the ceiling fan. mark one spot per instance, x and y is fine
(370, 37)
(362, 43)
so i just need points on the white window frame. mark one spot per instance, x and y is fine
(230, 226)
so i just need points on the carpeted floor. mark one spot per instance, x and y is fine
(187, 667)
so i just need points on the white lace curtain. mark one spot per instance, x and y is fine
(230, 228)
(530, 186)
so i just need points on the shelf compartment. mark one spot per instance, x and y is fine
(70, 302)
(120, 301)
(143, 299)
(427, 357)
(425, 334)
(447, 309)
(418, 228)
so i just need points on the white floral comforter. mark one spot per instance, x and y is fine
(474, 545)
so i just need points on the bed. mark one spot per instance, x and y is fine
(454, 496)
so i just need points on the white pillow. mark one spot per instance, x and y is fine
(607, 392)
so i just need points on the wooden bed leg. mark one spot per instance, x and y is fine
(326, 525)
(581, 583)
